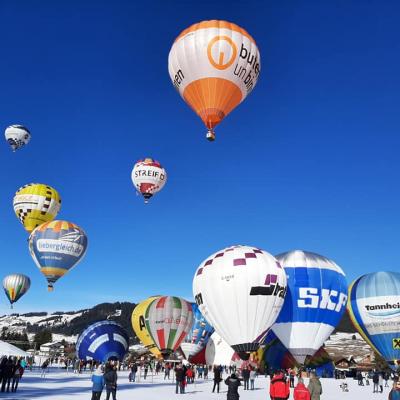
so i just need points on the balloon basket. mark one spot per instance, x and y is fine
(210, 135)
(50, 288)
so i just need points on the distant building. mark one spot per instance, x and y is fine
(55, 349)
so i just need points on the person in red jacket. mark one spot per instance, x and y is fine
(279, 387)
(301, 392)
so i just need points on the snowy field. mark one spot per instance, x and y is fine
(60, 385)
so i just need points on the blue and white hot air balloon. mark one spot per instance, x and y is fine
(103, 341)
(314, 304)
(198, 336)
(374, 308)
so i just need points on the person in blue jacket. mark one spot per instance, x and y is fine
(98, 383)
(395, 392)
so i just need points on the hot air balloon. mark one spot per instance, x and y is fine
(139, 326)
(250, 284)
(149, 177)
(17, 136)
(199, 334)
(214, 65)
(103, 341)
(35, 204)
(168, 320)
(218, 352)
(374, 308)
(56, 247)
(314, 304)
(15, 286)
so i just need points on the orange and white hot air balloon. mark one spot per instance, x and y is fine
(214, 65)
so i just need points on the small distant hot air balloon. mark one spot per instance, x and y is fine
(15, 286)
(139, 325)
(149, 177)
(35, 204)
(168, 320)
(214, 65)
(17, 136)
(251, 285)
(374, 308)
(56, 247)
(314, 304)
(199, 334)
(103, 341)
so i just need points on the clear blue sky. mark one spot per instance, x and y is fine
(310, 160)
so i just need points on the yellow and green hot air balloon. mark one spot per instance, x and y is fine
(35, 204)
(139, 326)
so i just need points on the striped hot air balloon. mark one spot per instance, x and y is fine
(168, 320)
(56, 247)
(214, 65)
(374, 308)
(15, 286)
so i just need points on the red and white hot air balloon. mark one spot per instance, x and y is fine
(149, 177)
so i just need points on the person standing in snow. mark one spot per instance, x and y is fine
(217, 377)
(233, 384)
(279, 387)
(253, 374)
(246, 377)
(97, 383)
(180, 375)
(300, 391)
(394, 394)
(110, 380)
(314, 387)
(380, 383)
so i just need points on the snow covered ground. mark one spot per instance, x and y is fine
(60, 385)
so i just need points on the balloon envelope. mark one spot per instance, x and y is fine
(148, 177)
(198, 336)
(15, 286)
(374, 308)
(314, 304)
(139, 325)
(35, 204)
(218, 352)
(56, 247)
(103, 341)
(168, 320)
(240, 291)
(214, 65)
(17, 136)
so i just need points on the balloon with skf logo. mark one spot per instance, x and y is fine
(148, 177)
(35, 204)
(199, 334)
(139, 325)
(314, 304)
(17, 136)
(15, 286)
(240, 291)
(168, 320)
(214, 65)
(374, 308)
(103, 341)
(56, 247)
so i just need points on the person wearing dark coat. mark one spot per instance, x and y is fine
(110, 380)
(8, 372)
(180, 374)
(217, 378)
(246, 377)
(233, 383)
(17, 374)
(3, 363)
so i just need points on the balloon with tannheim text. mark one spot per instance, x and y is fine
(214, 65)
(374, 308)
(240, 291)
